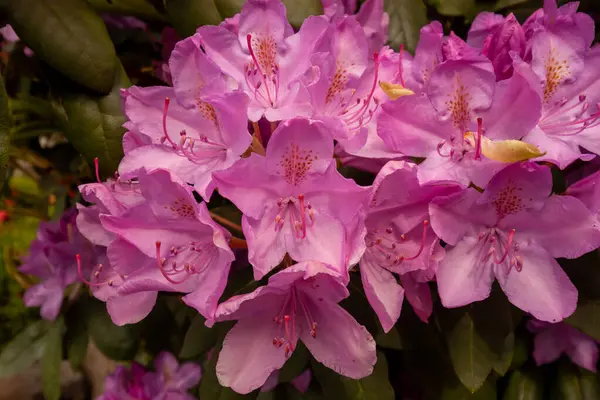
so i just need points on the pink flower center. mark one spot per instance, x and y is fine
(185, 261)
(499, 247)
(300, 214)
(293, 304)
(295, 164)
(387, 247)
(354, 110)
(262, 72)
(198, 150)
(571, 117)
(459, 148)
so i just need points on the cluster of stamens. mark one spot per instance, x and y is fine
(385, 246)
(297, 210)
(569, 118)
(463, 145)
(201, 254)
(293, 303)
(499, 247)
(197, 150)
(96, 272)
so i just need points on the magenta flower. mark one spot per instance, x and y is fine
(400, 241)
(552, 340)
(462, 108)
(299, 303)
(170, 381)
(52, 259)
(502, 36)
(587, 190)
(513, 232)
(176, 245)
(266, 58)
(295, 201)
(110, 197)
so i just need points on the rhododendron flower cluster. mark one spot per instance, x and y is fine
(462, 137)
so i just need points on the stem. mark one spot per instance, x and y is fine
(237, 243)
(225, 222)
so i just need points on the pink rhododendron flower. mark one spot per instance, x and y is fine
(266, 58)
(400, 241)
(552, 340)
(295, 201)
(511, 233)
(169, 243)
(298, 303)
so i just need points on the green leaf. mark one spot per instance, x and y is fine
(296, 364)
(51, 361)
(187, 15)
(93, 124)
(5, 126)
(406, 19)
(586, 318)
(480, 338)
(524, 386)
(566, 384)
(76, 337)
(14, 358)
(375, 386)
(454, 8)
(198, 339)
(228, 8)
(116, 342)
(390, 340)
(137, 8)
(502, 4)
(457, 391)
(69, 36)
(299, 10)
(590, 386)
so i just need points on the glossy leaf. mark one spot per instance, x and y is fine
(51, 361)
(406, 19)
(375, 386)
(524, 386)
(14, 359)
(198, 339)
(587, 318)
(93, 124)
(69, 36)
(480, 338)
(116, 342)
(299, 10)
(187, 15)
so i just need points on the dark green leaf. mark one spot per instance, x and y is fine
(457, 391)
(94, 124)
(296, 364)
(228, 8)
(502, 4)
(390, 340)
(69, 36)
(187, 15)
(590, 386)
(406, 19)
(160, 330)
(586, 318)
(51, 361)
(524, 386)
(299, 10)
(375, 386)
(5, 126)
(198, 339)
(138, 8)
(77, 340)
(454, 8)
(116, 342)
(14, 358)
(479, 337)
(566, 385)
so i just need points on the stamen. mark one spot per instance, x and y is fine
(164, 121)
(479, 138)
(97, 168)
(262, 74)
(506, 249)
(424, 236)
(161, 262)
(302, 215)
(82, 278)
